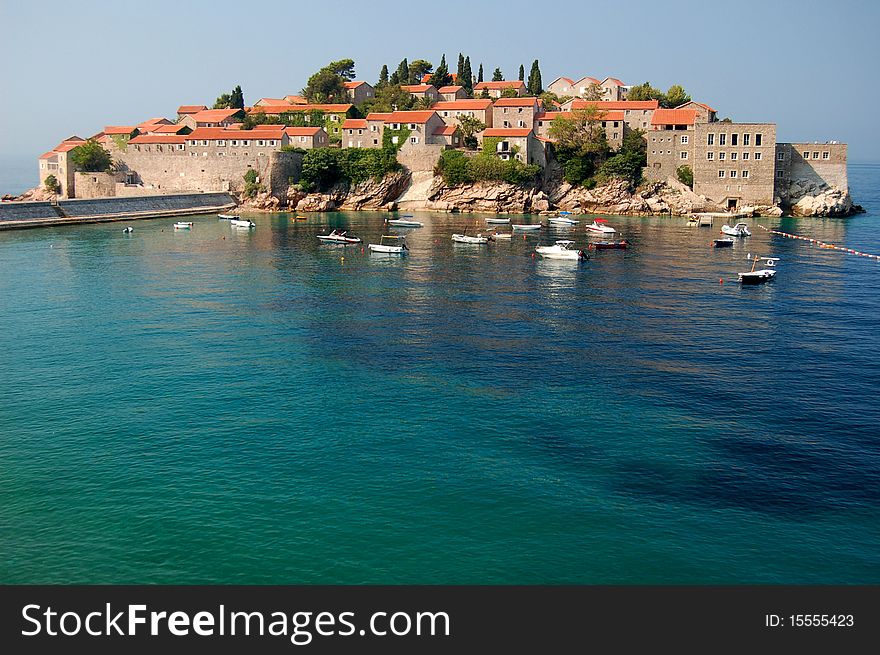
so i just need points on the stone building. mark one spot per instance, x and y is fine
(705, 113)
(358, 91)
(331, 116)
(516, 143)
(807, 165)
(356, 134)
(636, 113)
(55, 163)
(515, 112)
(496, 89)
(189, 110)
(562, 87)
(422, 91)
(611, 121)
(452, 92)
(212, 118)
(451, 112)
(613, 89)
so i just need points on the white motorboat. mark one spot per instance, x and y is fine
(128, 230)
(226, 217)
(404, 222)
(560, 250)
(761, 275)
(182, 225)
(601, 226)
(738, 230)
(389, 245)
(502, 235)
(338, 237)
(498, 221)
(526, 227)
(236, 222)
(562, 220)
(464, 238)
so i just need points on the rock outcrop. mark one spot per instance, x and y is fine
(808, 198)
(37, 193)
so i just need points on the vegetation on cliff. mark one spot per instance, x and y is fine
(456, 168)
(674, 97)
(328, 84)
(91, 157)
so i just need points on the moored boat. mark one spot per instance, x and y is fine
(499, 221)
(562, 220)
(390, 245)
(237, 222)
(738, 230)
(464, 238)
(128, 230)
(726, 242)
(560, 250)
(404, 222)
(226, 217)
(526, 227)
(183, 225)
(619, 244)
(601, 226)
(761, 275)
(338, 237)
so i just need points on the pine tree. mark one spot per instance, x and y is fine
(480, 74)
(497, 75)
(441, 76)
(383, 75)
(522, 73)
(403, 72)
(237, 99)
(535, 84)
(467, 78)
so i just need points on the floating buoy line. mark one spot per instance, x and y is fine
(821, 244)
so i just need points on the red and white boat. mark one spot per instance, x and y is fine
(600, 225)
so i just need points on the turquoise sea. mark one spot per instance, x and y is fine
(219, 406)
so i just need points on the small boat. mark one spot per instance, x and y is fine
(562, 220)
(560, 250)
(301, 218)
(726, 242)
(619, 244)
(498, 221)
(404, 222)
(464, 238)
(236, 222)
(338, 237)
(226, 217)
(128, 230)
(525, 227)
(502, 235)
(601, 226)
(390, 245)
(761, 275)
(738, 230)
(181, 225)
(564, 213)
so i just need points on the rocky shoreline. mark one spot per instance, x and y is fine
(549, 196)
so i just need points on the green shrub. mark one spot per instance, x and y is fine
(51, 184)
(455, 168)
(685, 175)
(324, 167)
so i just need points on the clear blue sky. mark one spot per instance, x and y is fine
(73, 67)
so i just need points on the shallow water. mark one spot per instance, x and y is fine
(246, 407)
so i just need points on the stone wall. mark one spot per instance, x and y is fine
(665, 148)
(420, 157)
(95, 185)
(816, 163)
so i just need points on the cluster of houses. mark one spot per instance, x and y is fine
(208, 149)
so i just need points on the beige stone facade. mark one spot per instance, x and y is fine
(517, 143)
(359, 91)
(496, 89)
(515, 112)
(451, 112)
(812, 163)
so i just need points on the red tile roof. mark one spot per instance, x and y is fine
(354, 84)
(410, 116)
(517, 102)
(562, 79)
(296, 100)
(302, 131)
(214, 133)
(190, 109)
(450, 89)
(155, 121)
(158, 138)
(271, 101)
(426, 78)
(613, 80)
(214, 115)
(378, 115)
(446, 130)
(47, 155)
(280, 109)
(699, 104)
(478, 103)
(507, 131)
(67, 146)
(674, 117)
(588, 80)
(416, 88)
(578, 103)
(506, 84)
(355, 124)
(119, 129)
(164, 129)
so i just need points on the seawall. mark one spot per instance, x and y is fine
(20, 215)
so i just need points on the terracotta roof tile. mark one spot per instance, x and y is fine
(48, 155)
(280, 109)
(674, 117)
(416, 88)
(426, 78)
(119, 129)
(378, 116)
(354, 84)
(478, 103)
(355, 124)
(215, 133)
(507, 131)
(446, 130)
(158, 138)
(450, 89)
(302, 131)
(517, 102)
(190, 109)
(214, 115)
(505, 84)
(578, 103)
(410, 116)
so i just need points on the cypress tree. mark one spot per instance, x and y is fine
(535, 85)
(497, 75)
(383, 75)
(522, 73)
(237, 98)
(441, 75)
(480, 74)
(460, 70)
(403, 72)
(467, 78)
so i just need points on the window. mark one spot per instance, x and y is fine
(745, 156)
(721, 174)
(180, 146)
(446, 113)
(758, 139)
(684, 155)
(413, 126)
(395, 126)
(235, 143)
(273, 142)
(815, 155)
(733, 156)
(722, 139)
(616, 123)
(745, 174)
(261, 142)
(221, 142)
(504, 111)
(522, 123)
(375, 142)
(684, 139)
(615, 136)
(780, 173)
(722, 156)
(825, 155)
(781, 156)
(732, 173)
(245, 143)
(734, 139)
(710, 156)
(205, 142)
(414, 139)
(757, 155)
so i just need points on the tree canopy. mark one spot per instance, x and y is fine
(674, 97)
(441, 76)
(91, 157)
(535, 86)
(497, 75)
(522, 73)
(466, 79)
(383, 76)
(234, 100)
(389, 97)
(480, 74)
(328, 84)
(417, 70)
(401, 75)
